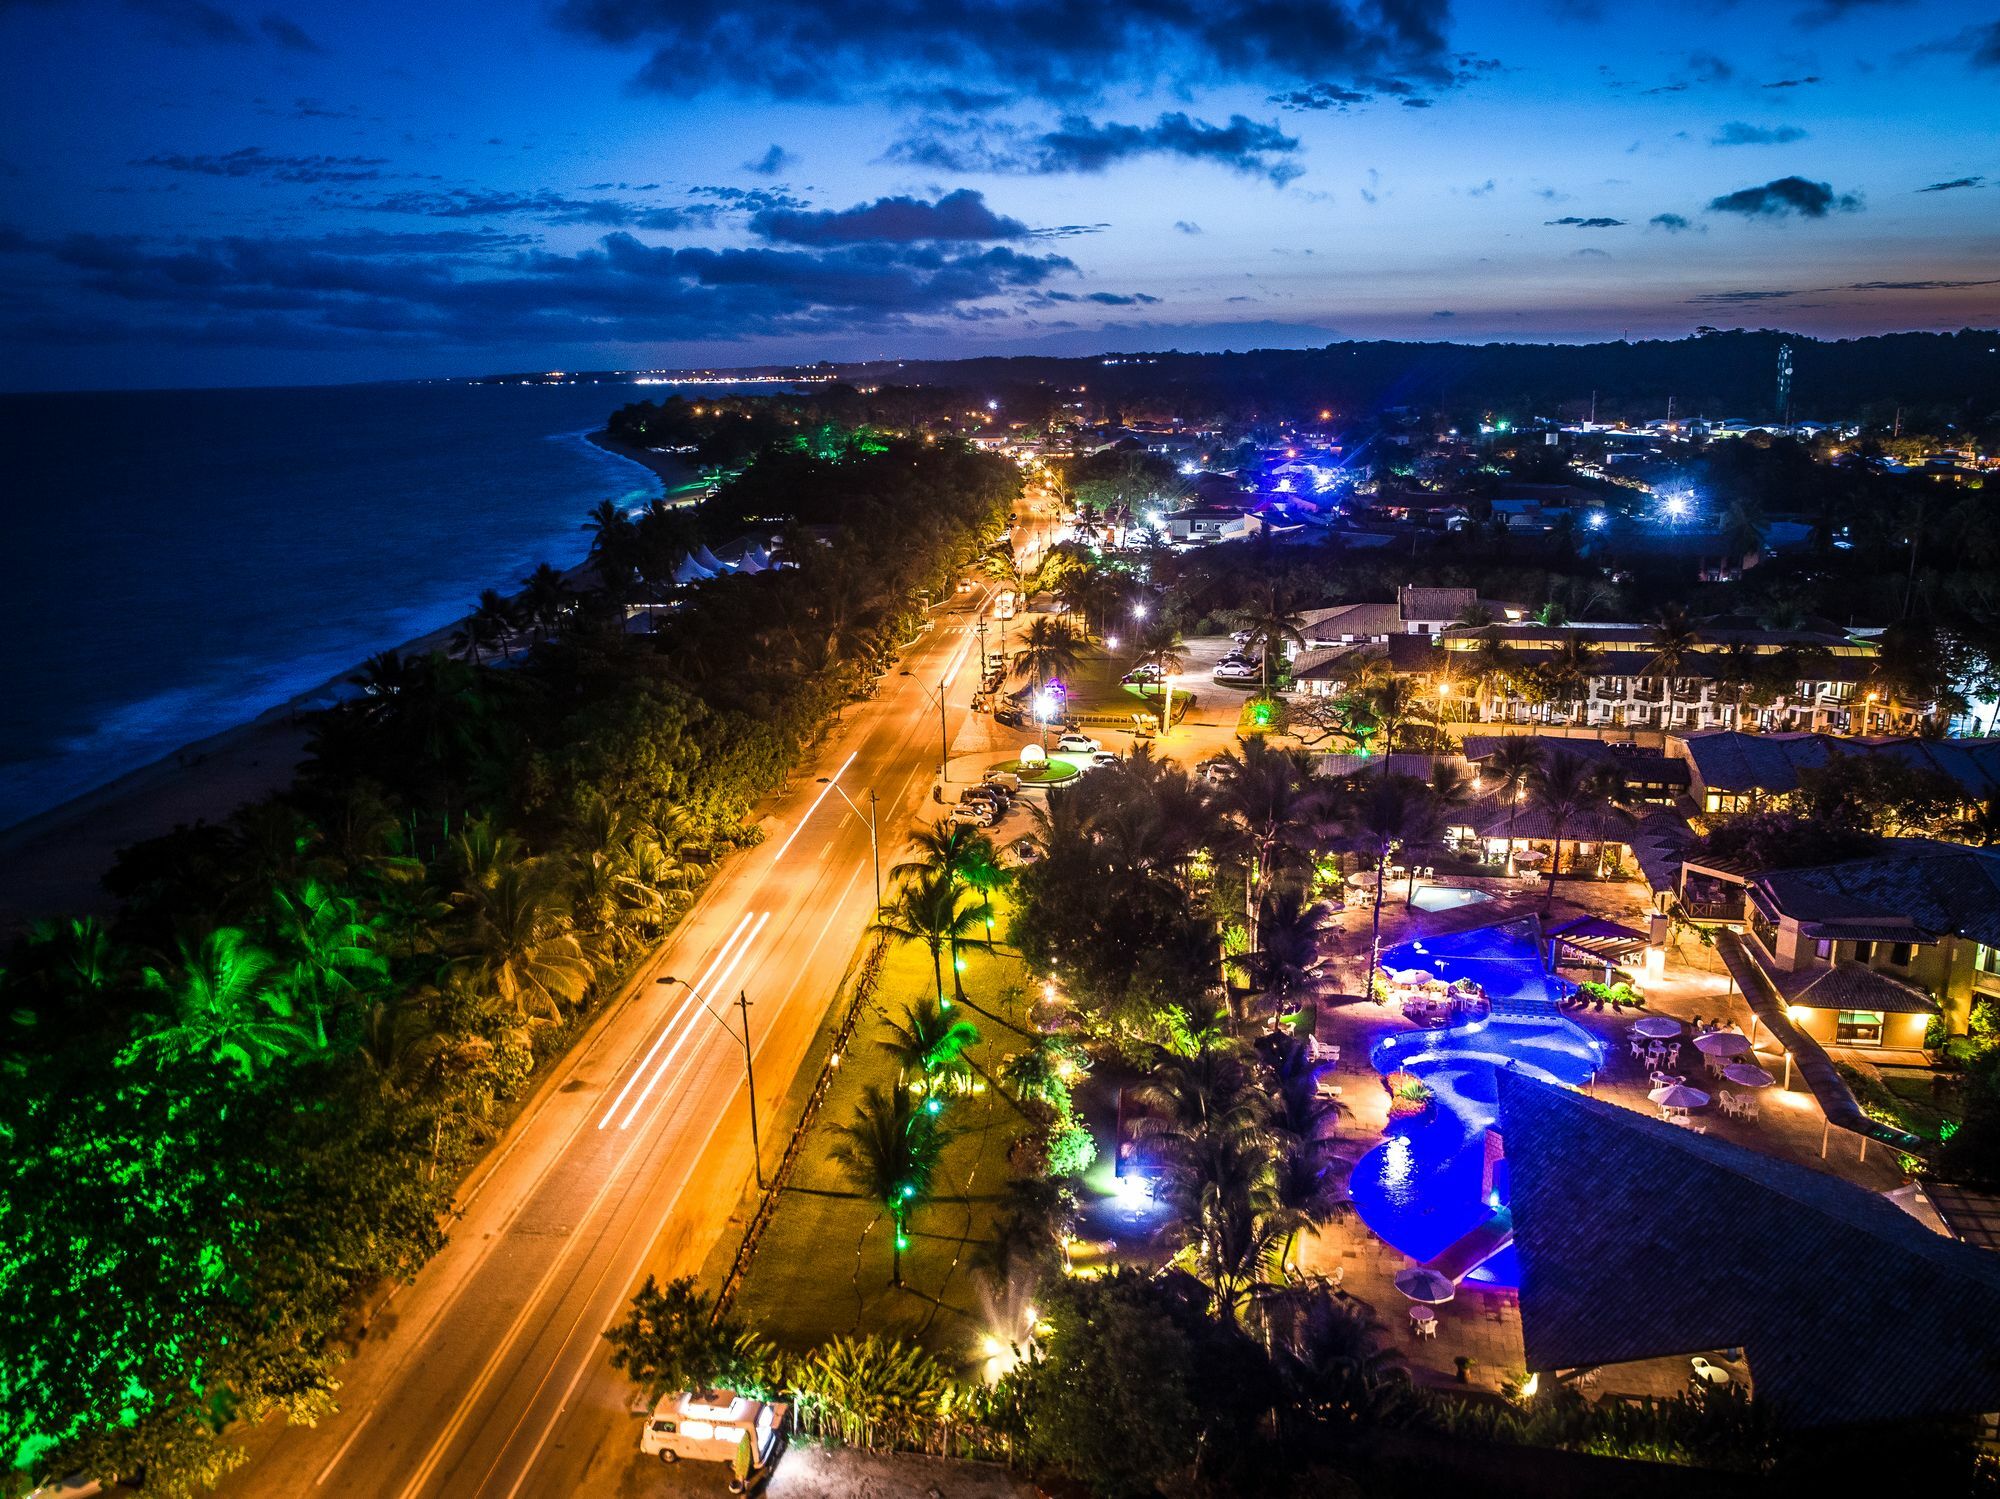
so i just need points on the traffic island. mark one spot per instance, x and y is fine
(1050, 772)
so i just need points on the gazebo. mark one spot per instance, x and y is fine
(1595, 941)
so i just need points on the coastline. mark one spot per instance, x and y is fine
(52, 863)
(677, 477)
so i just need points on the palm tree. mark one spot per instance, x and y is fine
(1510, 767)
(522, 945)
(1272, 626)
(1260, 794)
(889, 1152)
(1392, 701)
(1492, 661)
(546, 600)
(1743, 527)
(332, 950)
(1570, 670)
(930, 1046)
(1566, 789)
(1162, 648)
(933, 909)
(1049, 651)
(1380, 819)
(1736, 666)
(223, 1006)
(1286, 966)
(1674, 640)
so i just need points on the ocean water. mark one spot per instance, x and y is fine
(179, 561)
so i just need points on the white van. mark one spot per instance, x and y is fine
(707, 1425)
(1003, 606)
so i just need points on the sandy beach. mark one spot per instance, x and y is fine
(52, 863)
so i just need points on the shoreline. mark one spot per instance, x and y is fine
(53, 861)
(677, 477)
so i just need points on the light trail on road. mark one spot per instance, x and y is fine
(719, 980)
(807, 816)
(640, 1070)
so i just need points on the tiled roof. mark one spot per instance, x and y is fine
(1645, 767)
(1435, 603)
(1731, 761)
(1488, 817)
(1351, 619)
(1851, 986)
(1942, 887)
(1640, 1240)
(1414, 653)
(1334, 661)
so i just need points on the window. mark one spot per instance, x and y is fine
(1823, 948)
(1864, 952)
(1858, 1028)
(1987, 959)
(1900, 954)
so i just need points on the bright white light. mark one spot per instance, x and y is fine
(1677, 507)
(1045, 706)
(1154, 518)
(1111, 642)
(1138, 611)
(992, 405)
(1595, 520)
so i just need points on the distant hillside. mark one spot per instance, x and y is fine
(1934, 377)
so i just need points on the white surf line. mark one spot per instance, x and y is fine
(717, 981)
(815, 806)
(640, 1071)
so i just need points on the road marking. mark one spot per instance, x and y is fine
(639, 1071)
(830, 780)
(711, 980)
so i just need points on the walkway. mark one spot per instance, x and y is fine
(1814, 1065)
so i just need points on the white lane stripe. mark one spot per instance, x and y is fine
(720, 980)
(816, 801)
(666, 1031)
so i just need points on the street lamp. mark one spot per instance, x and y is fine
(944, 742)
(749, 1072)
(1110, 645)
(1044, 706)
(874, 844)
(1444, 693)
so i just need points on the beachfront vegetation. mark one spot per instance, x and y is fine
(242, 1105)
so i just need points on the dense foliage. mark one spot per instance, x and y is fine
(246, 1099)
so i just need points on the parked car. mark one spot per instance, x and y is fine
(1104, 757)
(1006, 779)
(1241, 637)
(1078, 744)
(1025, 850)
(974, 815)
(1009, 715)
(1234, 671)
(1141, 674)
(1213, 771)
(709, 1425)
(993, 796)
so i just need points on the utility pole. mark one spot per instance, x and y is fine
(750, 1077)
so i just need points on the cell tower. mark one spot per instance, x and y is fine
(1785, 384)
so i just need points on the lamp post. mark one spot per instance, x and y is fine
(1868, 713)
(874, 843)
(944, 742)
(1110, 645)
(749, 1071)
(1444, 692)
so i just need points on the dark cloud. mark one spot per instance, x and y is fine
(421, 242)
(1673, 223)
(287, 33)
(1572, 221)
(772, 162)
(1187, 226)
(1066, 231)
(1920, 285)
(1739, 133)
(1734, 298)
(1444, 314)
(1080, 144)
(543, 204)
(1101, 298)
(1806, 82)
(1826, 12)
(186, 21)
(747, 199)
(1783, 197)
(1412, 92)
(299, 293)
(1050, 48)
(956, 217)
(1953, 185)
(254, 161)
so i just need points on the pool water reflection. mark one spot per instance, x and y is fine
(1424, 1187)
(1442, 898)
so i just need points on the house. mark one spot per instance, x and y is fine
(1638, 1240)
(1867, 951)
(1733, 772)
(1210, 522)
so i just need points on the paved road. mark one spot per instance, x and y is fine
(487, 1376)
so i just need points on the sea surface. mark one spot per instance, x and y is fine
(176, 562)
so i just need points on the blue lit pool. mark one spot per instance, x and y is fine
(1420, 1189)
(1438, 898)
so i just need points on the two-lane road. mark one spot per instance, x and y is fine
(487, 1376)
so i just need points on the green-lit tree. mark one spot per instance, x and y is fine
(889, 1151)
(225, 1005)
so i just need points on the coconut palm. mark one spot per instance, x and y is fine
(1674, 640)
(1286, 968)
(889, 1151)
(224, 1007)
(1492, 662)
(1392, 700)
(332, 951)
(1566, 789)
(933, 909)
(1261, 797)
(1163, 649)
(930, 1045)
(521, 944)
(1510, 767)
(1570, 669)
(1049, 652)
(1272, 626)
(1381, 816)
(546, 600)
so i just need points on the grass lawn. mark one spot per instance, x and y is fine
(823, 1266)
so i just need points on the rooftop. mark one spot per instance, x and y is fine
(1942, 888)
(1731, 761)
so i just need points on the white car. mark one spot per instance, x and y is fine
(1078, 744)
(1103, 757)
(1234, 671)
(1241, 637)
(709, 1425)
(974, 815)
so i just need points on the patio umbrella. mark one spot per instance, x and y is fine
(1748, 1075)
(1427, 1286)
(1679, 1096)
(1531, 856)
(1723, 1043)
(1414, 976)
(1656, 1027)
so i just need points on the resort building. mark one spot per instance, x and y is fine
(1734, 772)
(1338, 640)
(1867, 952)
(1613, 677)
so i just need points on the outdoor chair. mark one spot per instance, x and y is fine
(1674, 1055)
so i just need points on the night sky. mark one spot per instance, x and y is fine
(220, 193)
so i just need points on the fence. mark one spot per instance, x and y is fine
(767, 1205)
(933, 1436)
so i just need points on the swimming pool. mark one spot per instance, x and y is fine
(1439, 898)
(1424, 1187)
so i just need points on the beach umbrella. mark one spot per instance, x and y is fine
(1656, 1027)
(1748, 1075)
(1427, 1286)
(1723, 1043)
(1679, 1096)
(1531, 856)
